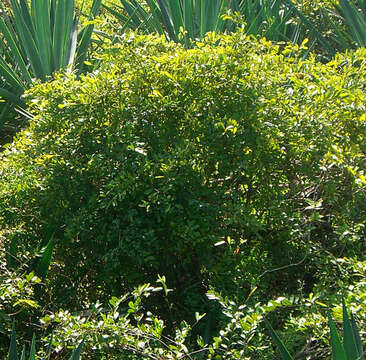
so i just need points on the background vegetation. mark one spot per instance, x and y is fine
(165, 199)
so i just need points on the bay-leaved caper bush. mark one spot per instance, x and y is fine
(210, 166)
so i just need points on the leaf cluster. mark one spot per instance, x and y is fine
(190, 163)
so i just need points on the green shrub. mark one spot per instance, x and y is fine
(213, 166)
(126, 328)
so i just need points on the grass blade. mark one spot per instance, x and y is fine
(14, 98)
(60, 28)
(340, 37)
(133, 10)
(155, 19)
(11, 77)
(175, 11)
(67, 34)
(70, 56)
(212, 15)
(188, 18)
(172, 34)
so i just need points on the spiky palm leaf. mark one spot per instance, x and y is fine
(38, 40)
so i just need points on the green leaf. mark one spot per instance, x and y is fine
(12, 41)
(43, 38)
(84, 37)
(284, 352)
(22, 356)
(37, 41)
(172, 28)
(71, 51)
(356, 23)
(357, 338)
(45, 260)
(49, 347)
(312, 28)
(63, 15)
(24, 28)
(349, 340)
(77, 352)
(13, 353)
(32, 354)
(337, 347)
(28, 302)
(5, 94)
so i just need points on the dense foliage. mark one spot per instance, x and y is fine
(235, 166)
(52, 35)
(171, 201)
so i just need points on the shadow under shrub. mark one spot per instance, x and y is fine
(210, 166)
